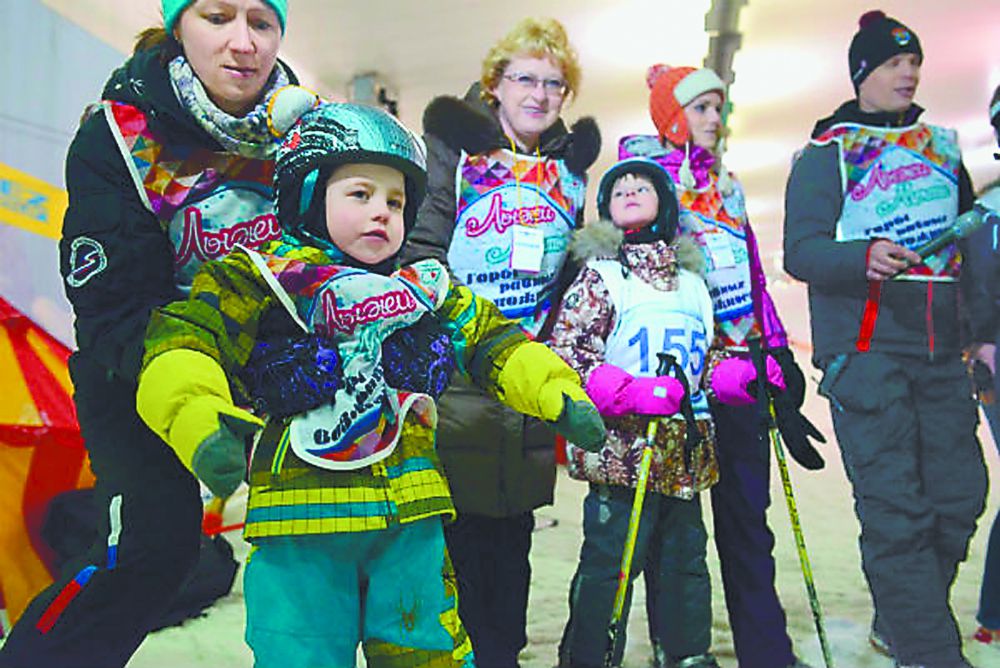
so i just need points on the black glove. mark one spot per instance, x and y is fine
(795, 380)
(796, 430)
(286, 375)
(419, 358)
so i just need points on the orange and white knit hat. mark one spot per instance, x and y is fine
(670, 90)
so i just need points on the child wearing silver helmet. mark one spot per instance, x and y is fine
(342, 354)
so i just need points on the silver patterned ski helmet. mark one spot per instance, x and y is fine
(333, 134)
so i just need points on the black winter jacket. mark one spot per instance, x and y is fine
(115, 258)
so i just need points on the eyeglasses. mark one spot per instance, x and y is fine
(529, 82)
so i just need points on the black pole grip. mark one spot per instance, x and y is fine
(692, 436)
(760, 365)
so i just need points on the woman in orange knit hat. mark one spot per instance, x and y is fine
(686, 106)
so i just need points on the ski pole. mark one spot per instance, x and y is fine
(667, 362)
(766, 404)
(692, 435)
(211, 522)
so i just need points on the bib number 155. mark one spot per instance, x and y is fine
(687, 346)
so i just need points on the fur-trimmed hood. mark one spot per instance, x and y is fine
(469, 124)
(602, 240)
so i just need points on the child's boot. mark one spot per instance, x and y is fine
(697, 661)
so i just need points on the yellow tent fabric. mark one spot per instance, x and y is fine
(41, 451)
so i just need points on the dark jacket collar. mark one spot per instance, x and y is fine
(144, 82)
(472, 125)
(850, 112)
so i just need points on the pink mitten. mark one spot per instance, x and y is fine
(616, 392)
(660, 395)
(732, 376)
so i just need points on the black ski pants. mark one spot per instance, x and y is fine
(98, 612)
(906, 426)
(490, 557)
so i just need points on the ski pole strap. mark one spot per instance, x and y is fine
(692, 436)
(757, 358)
(869, 316)
(666, 363)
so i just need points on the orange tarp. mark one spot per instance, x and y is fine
(41, 451)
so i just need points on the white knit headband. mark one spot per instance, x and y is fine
(696, 83)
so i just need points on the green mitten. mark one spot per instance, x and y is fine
(184, 397)
(537, 382)
(581, 424)
(220, 460)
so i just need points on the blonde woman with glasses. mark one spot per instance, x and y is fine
(506, 185)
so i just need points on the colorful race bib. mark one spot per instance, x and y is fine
(356, 310)
(718, 225)
(207, 201)
(515, 216)
(901, 185)
(649, 321)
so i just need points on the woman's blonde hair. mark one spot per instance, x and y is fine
(536, 38)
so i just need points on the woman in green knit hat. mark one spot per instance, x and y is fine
(171, 169)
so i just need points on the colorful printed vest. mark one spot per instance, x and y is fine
(648, 321)
(900, 184)
(718, 224)
(497, 192)
(206, 201)
(357, 310)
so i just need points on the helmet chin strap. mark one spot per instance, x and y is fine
(308, 190)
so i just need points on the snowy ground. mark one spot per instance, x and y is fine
(825, 508)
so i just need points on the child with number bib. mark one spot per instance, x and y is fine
(686, 105)
(638, 294)
(343, 354)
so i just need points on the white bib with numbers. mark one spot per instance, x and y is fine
(649, 321)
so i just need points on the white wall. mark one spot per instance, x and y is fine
(49, 70)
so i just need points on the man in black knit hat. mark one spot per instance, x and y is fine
(873, 184)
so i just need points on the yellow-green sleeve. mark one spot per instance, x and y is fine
(220, 318)
(482, 336)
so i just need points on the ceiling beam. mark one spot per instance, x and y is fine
(722, 24)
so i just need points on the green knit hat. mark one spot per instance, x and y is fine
(172, 9)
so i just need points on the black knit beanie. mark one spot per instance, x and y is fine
(878, 39)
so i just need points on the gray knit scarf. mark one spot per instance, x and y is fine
(247, 135)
